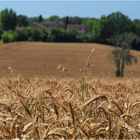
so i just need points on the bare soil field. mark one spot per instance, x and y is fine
(43, 59)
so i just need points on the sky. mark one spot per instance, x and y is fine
(72, 8)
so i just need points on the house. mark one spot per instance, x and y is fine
(47, 25)
(80, 28)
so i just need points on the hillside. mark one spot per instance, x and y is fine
(46, 107)
(28, 58)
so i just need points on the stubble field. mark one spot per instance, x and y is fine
(44, 58)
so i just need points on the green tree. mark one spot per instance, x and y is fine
(23, 33)
(61, 35)
(39, 34)
(76, 20)
(22, 21)
(56, 35)
(32, 20)
(0, 33)
(54, 18)
(66, 21)
(113, 24)
(121, 55)
(72, 20)
(40, 18)
(8, 20)
(88, 22)
(136, 23)
(9, 36)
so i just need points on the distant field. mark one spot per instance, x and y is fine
(43, 59)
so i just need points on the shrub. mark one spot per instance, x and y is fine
(31, 34)
(61, 35)
(0, 34)
(39, 34)
(87, 38)
(9, 36)
(23, 34)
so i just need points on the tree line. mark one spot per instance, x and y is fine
(15, 27)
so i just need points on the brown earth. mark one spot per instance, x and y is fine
(42, 59)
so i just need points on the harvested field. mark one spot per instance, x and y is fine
(69, 109)
(42, 59)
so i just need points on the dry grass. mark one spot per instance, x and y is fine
(69, 108)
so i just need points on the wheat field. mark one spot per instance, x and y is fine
(42, 108)
(76, 104)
